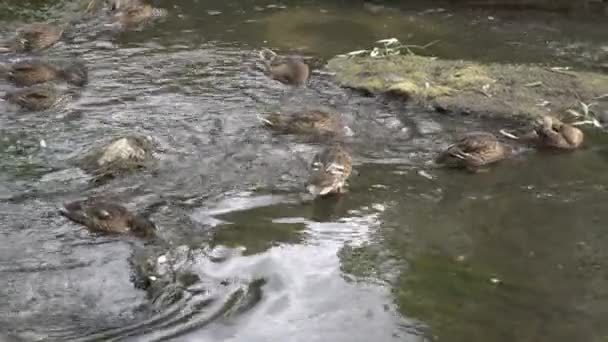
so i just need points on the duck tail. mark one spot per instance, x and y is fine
(508, 134)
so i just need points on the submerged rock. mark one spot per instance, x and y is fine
(121, 156)
(496, 90)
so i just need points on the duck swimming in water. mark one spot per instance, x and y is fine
(36, 98)
(330, 170)
(554, 133)
(314, 123)
(34, 37)
(473, 151)
(30, 72)
(288, 70)
(550, 132)
(102, 216)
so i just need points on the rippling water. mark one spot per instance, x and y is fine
(510, 255)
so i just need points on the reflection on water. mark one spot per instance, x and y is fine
(508, 255)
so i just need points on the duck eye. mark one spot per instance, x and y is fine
(103, 214)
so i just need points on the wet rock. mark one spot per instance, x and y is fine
(104, 216)
(121, 156)
(495, 90)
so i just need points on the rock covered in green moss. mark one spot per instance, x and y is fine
(497, 90)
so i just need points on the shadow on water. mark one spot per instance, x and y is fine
(514, 254)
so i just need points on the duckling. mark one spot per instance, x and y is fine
(30, 72)
(556, 134)
(288, 70)
(36, 98)
(35, 37)
(101, 216)
(316, 123)
(122, 155)
(473, 151)
(330, 170)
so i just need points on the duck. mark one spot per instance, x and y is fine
(35, 37)
(473, 151)
(330, 169)
(122, 155)
(132, 13)
(30, 72)
(315, 122)
(553, 133)
(35, 98)
(288, 70)
(549, 132)
(104, 216)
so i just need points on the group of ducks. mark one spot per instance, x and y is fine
(330, 169)
(37, 79)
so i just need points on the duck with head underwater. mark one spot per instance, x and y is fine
(104, 216)
(473, 151)
(285, 69)
(314, 123)
(26, 73)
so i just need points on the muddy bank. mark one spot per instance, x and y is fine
(495, 90)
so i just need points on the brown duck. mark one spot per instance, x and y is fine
(473, 151)
(101, 216)
(36, 98)
(133, 13)
(35, 37)
(550, 132)
(554, 133)
(288, 70)
(330, 170)
(30, 72)
(316, 123)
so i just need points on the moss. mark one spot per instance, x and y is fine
(499, 90)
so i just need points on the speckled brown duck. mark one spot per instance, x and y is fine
(553, 133)
(312, 123)
(130, 14)
(473, 151)
(549, 132)
(288, 70)
(35, 98)
(34, 37)
(30, 72)
(103, 216)
(330, 169)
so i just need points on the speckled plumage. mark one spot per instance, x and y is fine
(330, 170)
(107, 217)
